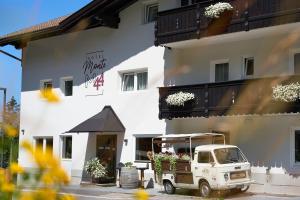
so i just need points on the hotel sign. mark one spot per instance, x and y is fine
(93, 72)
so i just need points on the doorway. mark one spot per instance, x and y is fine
(107, 153)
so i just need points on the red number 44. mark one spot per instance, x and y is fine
(99, 81)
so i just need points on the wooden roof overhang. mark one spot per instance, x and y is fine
(95, 14)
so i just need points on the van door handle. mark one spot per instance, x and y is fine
(196, 167)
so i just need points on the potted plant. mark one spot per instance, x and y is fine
(219, 16)
(180, 100)
(129, 176)
(95, 169)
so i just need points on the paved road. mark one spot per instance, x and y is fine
(102, 195)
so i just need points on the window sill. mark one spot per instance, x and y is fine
(142, 161)
(66, 159)
(134, 91)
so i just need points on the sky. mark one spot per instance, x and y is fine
(18, 14)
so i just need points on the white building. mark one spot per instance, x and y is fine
(104, 55)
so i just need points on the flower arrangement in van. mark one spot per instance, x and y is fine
(179, 98)
(215, 10)
(168, 156)
(287, 93)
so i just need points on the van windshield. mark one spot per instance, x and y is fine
(229, 155)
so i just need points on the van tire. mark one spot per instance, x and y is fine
(169, 188)
(204, 189)
(244, 189)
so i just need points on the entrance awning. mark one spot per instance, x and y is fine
(105, 121)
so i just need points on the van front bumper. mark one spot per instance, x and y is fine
(227, 186)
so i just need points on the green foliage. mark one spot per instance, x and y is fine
(95, 169)
(9, 147)
(128, 164)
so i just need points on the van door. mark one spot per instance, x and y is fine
(203, 167)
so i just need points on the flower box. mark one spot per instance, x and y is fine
(219, 25)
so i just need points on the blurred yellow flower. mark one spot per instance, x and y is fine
(141, 195)
(51, 177)
(46, 193)
(27, 146)
(15, 168)
(26, 196)
(49, 95)
(10, 131)
(8, 187)
(67, 197)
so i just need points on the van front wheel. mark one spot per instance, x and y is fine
(169, 188)
(205, 189)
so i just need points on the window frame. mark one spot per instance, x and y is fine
(147, 7)
(211, 156)
(292, 53)
(135, 80)
(44, 144)
(135, 146)
(213, 68)
(42, 83)
(244, 69)
(63, 85)
(62, 143)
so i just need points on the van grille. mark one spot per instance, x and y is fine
(237, 175)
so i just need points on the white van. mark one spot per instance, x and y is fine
(211, 166)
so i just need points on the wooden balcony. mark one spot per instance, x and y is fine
(240, 97)
(189, 22)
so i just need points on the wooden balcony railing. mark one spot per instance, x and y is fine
(240, 97)
(190, 22)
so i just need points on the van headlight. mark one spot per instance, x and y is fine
(226, 177)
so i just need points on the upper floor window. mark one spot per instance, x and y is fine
(134, 81)
(221, 72)
(67, 86)
(151, 11)
(46, 84)
(248, 67)
(297, 63)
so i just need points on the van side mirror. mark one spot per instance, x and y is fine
(212, 164)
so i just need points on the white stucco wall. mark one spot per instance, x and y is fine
(195, 61)
(128, 48)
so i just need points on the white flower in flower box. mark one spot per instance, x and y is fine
(215, 10)
(178, 99)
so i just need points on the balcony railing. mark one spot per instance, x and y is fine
(190, 23)
(240, 97)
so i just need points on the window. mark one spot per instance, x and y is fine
(297, 146)
(47, 84)
(142, 79)
(68, 87)
(221, 72)
(151, 11)
(134, 81)
(128, 82)
(248, 67)
(143, 145)
(297, 63)
(205, 157)
(66, 147)
(45, 143)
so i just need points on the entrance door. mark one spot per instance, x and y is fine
(107, 153)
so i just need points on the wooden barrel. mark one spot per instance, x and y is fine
(129, 177)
